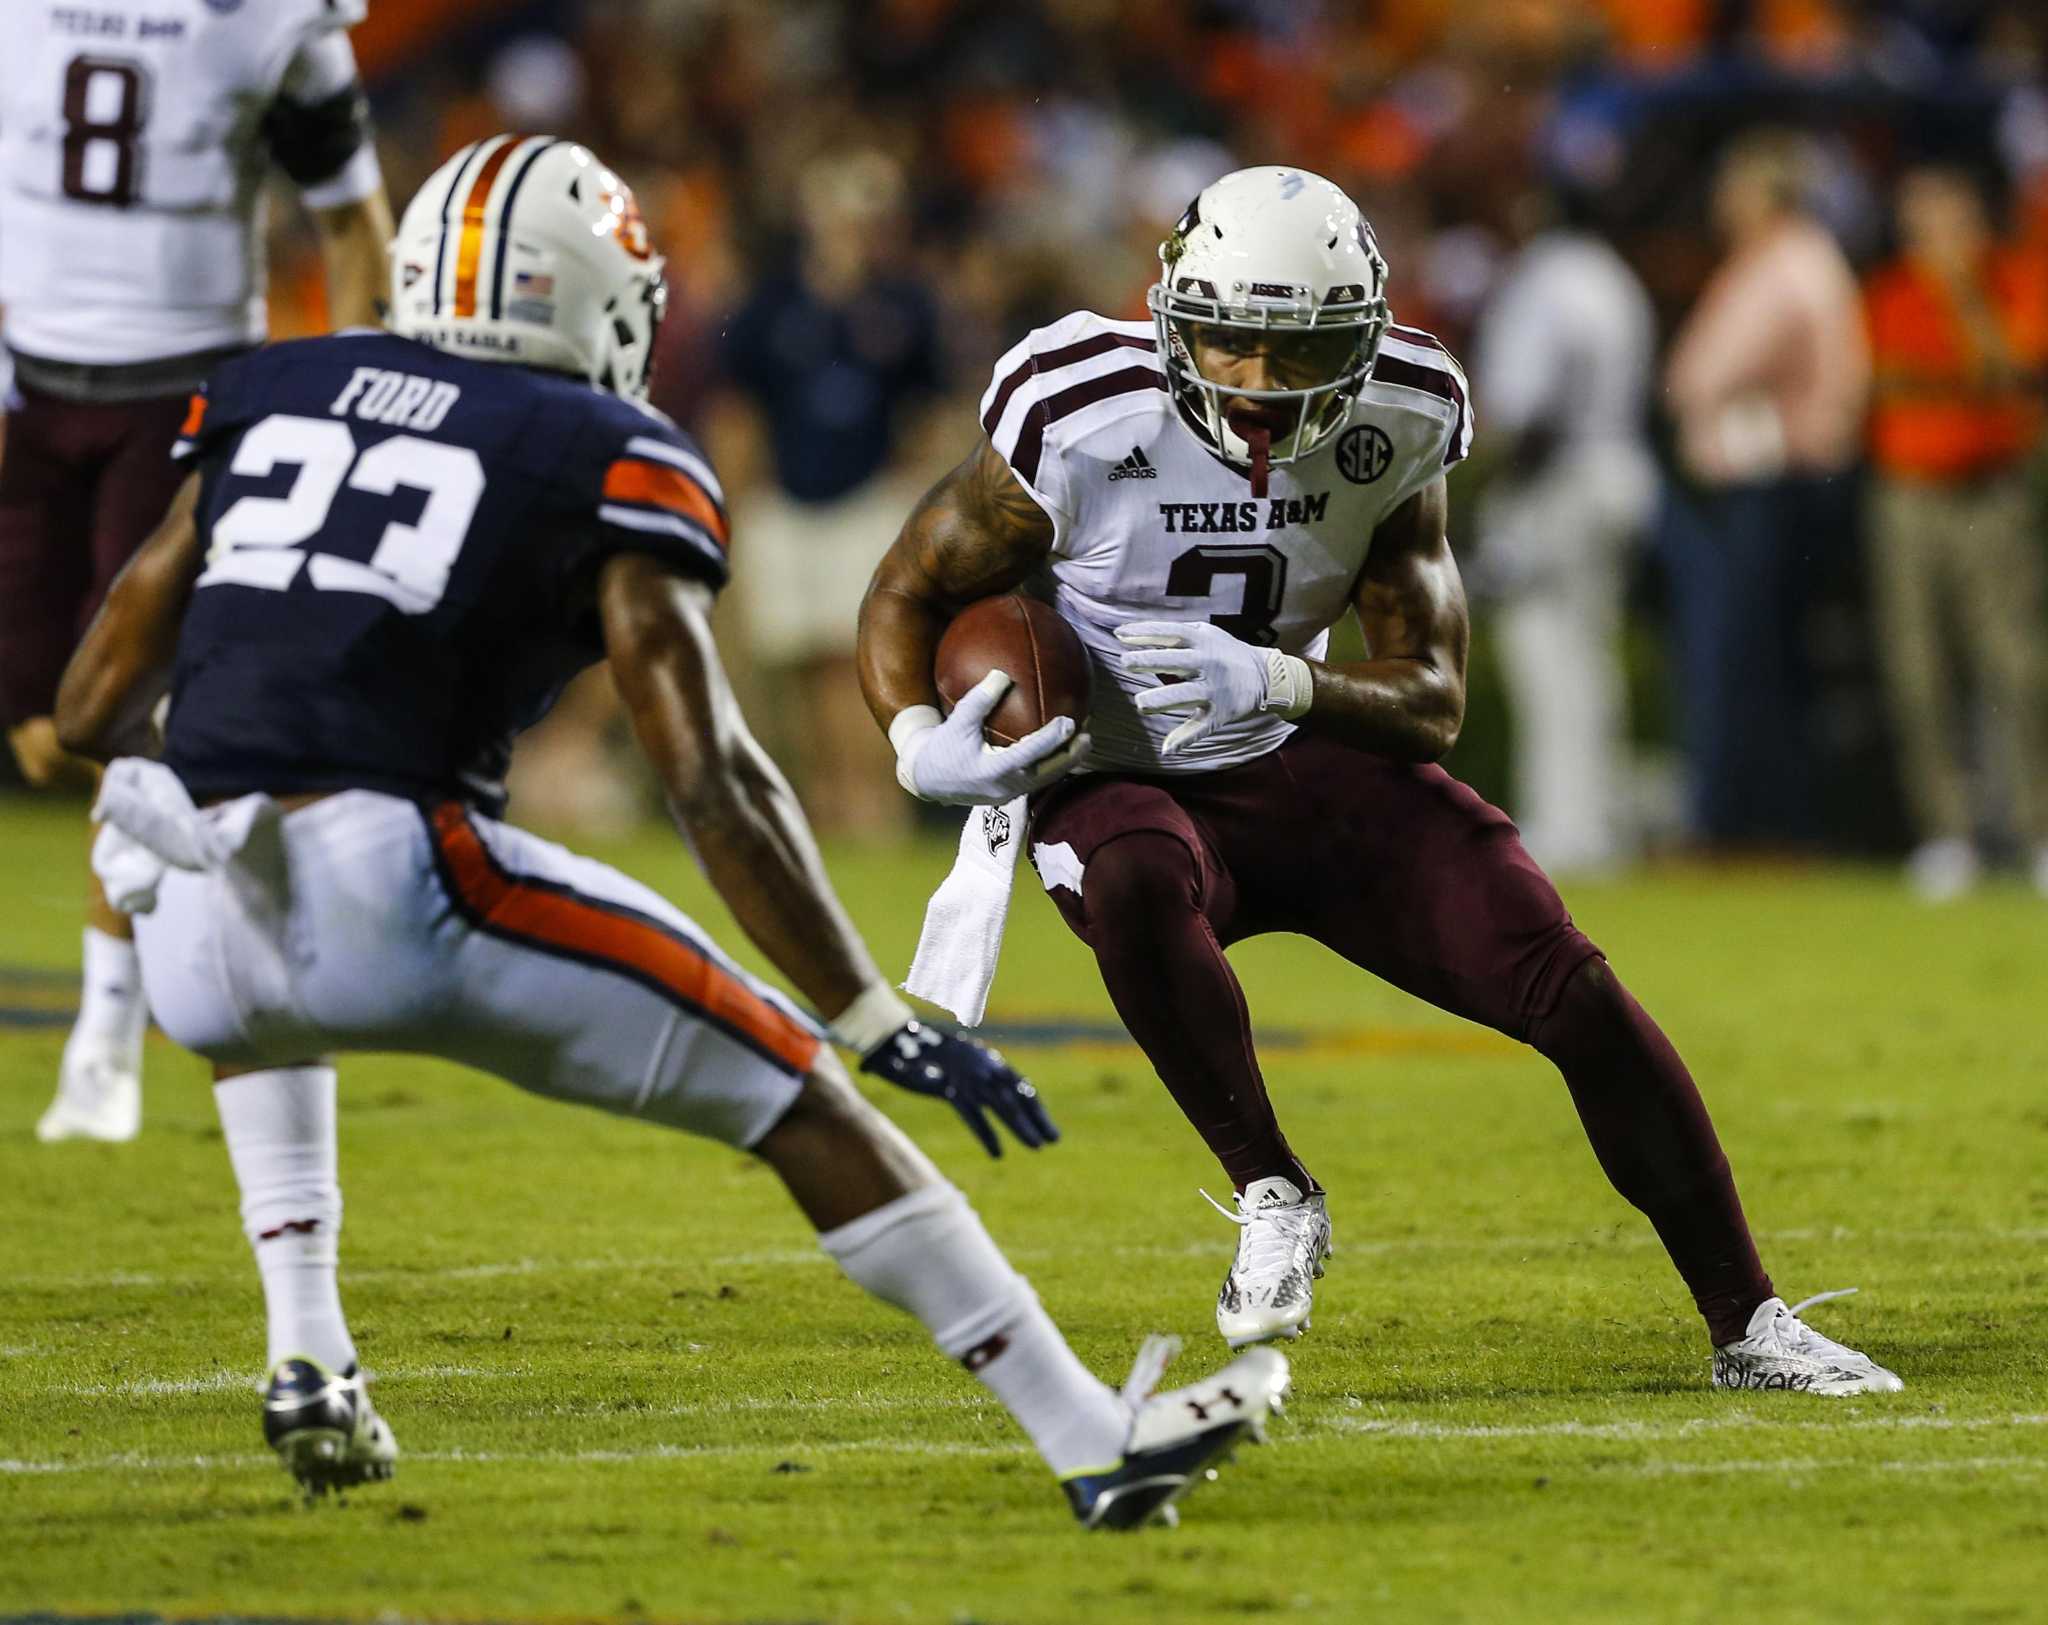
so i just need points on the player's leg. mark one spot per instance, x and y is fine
(1413, 876)
(211, 956)
(645, 1017)
(125, 449)
(46, 583)
(1135, 878)
(279, 1125)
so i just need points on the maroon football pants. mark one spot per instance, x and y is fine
(81, 487)
(1410, 875)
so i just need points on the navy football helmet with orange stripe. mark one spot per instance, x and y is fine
(527, 249)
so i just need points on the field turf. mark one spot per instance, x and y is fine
(628, 1386)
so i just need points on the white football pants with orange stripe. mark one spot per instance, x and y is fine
(367, 922)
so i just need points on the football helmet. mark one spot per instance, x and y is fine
(1284, 255)
(527, 249)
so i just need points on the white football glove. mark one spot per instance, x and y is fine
(950, 761)
(1223, 679)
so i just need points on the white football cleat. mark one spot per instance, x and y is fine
(1283, 1239)
(1176, 1436)
(1780, 1351)
(99, 1093)
(1943, 869)
(324, 1429)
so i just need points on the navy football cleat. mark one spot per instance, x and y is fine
(324, 1428)
(1177, 1437)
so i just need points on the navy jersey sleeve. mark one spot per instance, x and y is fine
(638, 484)
(218, 412)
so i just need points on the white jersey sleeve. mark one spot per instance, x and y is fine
(1411, 359)
(134, 142)
(1061, 383)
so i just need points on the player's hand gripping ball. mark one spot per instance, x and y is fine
(1015, 679)
(1029, 642)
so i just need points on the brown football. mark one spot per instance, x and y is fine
(1047, 664)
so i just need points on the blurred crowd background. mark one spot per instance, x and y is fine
(1753, 294)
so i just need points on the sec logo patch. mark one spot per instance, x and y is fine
(1364, 453)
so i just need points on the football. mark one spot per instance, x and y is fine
(1047, 664)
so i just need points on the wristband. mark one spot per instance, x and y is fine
(871, 1018)
(1290, 686)
(908, 726)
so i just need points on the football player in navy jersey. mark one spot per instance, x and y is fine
(393, 551)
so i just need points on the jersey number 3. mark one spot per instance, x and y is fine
(258, 541)
(1262, 568)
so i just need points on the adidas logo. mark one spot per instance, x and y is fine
(1134, 467)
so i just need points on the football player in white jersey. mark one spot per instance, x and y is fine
(1202, 498)
(135, 140)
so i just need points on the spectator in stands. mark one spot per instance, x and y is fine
(834, 358)
(1562, 372)
(1767, 383)
(1959, 329)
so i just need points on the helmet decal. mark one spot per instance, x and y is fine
(624, 220)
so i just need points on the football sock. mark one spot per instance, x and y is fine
(1654, 1139)
(110, 1003)
(279, 1127)
(1176, 993)
(928, 1253)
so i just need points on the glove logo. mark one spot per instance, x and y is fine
(995, 828)
(1364, 453)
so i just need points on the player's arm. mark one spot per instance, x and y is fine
(354, 249)
(123, 664)
(744, 824)
(1406, 699)
(976, 533)
(318, 130)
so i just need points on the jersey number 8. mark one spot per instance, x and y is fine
(257, 541)
(106, 104)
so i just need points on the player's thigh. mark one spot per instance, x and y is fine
(1409, 874)
(574, 981)
(1072, 825)
(185, 945)
(136, 487)
(45, 560)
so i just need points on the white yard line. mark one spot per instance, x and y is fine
(1397, 1428)
(799, 1450)
(1802, 1466)
(221, 1382)
(1629, 1237)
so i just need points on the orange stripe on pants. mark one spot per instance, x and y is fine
(549, 919)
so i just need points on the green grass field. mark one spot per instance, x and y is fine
(628, 1385)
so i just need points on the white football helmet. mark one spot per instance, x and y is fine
(1285, 254)
(529, 250)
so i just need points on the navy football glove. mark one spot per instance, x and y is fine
(969, 1076)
